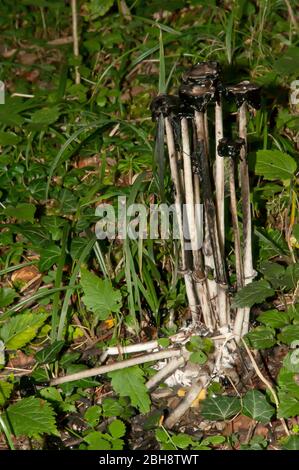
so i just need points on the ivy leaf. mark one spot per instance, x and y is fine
(289, 334)
(292, 443)
(117, 429)
(99, 295)
(21, 329)
(275, 165)
(220, 408)
(256, 406)
(288, 405)
(50, 353)
(49, 255)
(254, 293)
(261, 337)
(274, 318)
(129, 382)
(32, 416)
(5, 391)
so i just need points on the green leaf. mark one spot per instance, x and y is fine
(99, 7)
(32, 416)
(22, 211)
(92, 415)
(45, 116)
(95, 441)
(256, 406)
(220, 408)
(275, 165)
(182, 441)
(288, 63)
(51, 394)
(5, 391)
(273, 272)
(21, 329)
(49, 255)
(254, 293)
(117, 429)
(130, 382)
(7, 296)
(295, 232)
(289, 334)
(291, 277)
(9, 138)
(49, 353)
(99, 295)
(112, 407)
(274, 318)
(288, 405)
(198, 357)
(286, 382)
(292, 443)
(261, 337)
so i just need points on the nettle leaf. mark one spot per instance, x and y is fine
(32, 416)
(5, 391)
(22, 211)
(275, 165)
(261, 337)
(7, 296)
(130, 382)
(220, 408)
(274, 318)
(99, 295)
(289, 334)
(254, 293)
(273, 272)
(256, 406)
(117, 429)
(21, 329)
(50, 353)
(288, 405)
(50, 255)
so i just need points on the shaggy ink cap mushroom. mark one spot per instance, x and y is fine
(230, 148)
(244, 92)
(202, 73)
(197, 97)
(166, 105)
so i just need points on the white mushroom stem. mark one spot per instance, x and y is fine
(246, 209)
(219, 175)
(156, 356)
(165, 372)
(185, 404)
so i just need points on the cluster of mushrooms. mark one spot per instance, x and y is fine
(202, 175)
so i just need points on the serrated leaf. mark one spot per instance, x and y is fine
(51, 394)
(5, 391)
(7, 296)
(117, 429)
(220, 408)
(32, 416)
(130, 382)
(274, 164)
(112, 407)
(95, 441)
(21, 329)
(99, 295)
(273, 272)
(256, 406)
(50, 255)
(182, 441)
(274, 318)
(254, 293)
(261, 337)
(289, 334)
(50, 353)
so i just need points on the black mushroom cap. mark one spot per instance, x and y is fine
(196, 96)
(202, 72)
(230, 148)
(244, 92)
(167, 105)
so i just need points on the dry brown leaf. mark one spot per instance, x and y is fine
(25, 274)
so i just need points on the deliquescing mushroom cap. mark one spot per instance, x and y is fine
(165, 105)
(244, 92)
(230, 148)
(203, 71)
(196, 96)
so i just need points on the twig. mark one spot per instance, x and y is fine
(117, 366)
(166, 371)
